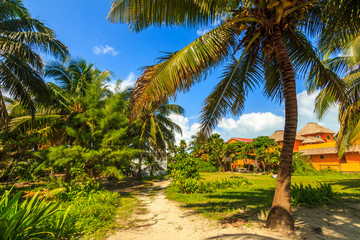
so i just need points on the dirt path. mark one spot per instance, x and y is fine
(164, 219)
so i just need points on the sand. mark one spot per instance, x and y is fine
(166, 219)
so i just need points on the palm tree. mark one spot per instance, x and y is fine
(341, 34)
(74, 80)
(75, 106)
(21, 66)
(156, 130)
(263, 42)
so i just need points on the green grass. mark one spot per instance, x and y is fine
(253, 202)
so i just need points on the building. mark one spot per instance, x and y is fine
(319, 144)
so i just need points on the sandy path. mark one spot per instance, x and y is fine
(164, 219)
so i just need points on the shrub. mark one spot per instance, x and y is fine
(208, 186)
(31, 219)
(185, 168)
(302, 168)
(317, 196)
(203, 166)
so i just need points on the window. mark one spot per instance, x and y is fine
(318, 136)
(328, 137)
(322, 157)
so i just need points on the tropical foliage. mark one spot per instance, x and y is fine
(23, 39)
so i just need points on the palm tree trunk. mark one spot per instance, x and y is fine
(67, 177)
(280, 216)
(4, 117)
(139, 177)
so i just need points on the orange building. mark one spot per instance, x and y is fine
(319, 144)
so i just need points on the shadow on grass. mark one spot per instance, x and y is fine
(350, 189)
(245, 205)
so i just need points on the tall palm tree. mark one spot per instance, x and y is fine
(157, 130)
(21, 66)
(263, 42)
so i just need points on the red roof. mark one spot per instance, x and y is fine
(245, 140)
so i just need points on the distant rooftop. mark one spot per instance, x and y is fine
(245, 140)
(278, 136)
(312, 128)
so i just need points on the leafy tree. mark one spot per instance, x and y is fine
(266, 152)
(237, 151)
(263, 41)
(211, 150)
(87, 125)
(21, 66)
(156, 131)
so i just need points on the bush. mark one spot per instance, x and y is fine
(205, 166)
(31, 219)
(302, 168)
(317, 196)
(185, 168)
(208, 186)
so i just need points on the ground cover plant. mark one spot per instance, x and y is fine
(32, 218)
(67, 211)
(316, 196)
(251, 203)
(192, 185)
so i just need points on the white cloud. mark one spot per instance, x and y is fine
(251, 125)
(187, 129)
(256, 124)
(201, 31)
(99, 50)
(128, 82)
(306, 105)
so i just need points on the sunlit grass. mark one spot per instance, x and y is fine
(253, 202)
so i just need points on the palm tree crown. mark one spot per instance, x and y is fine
(21, 66)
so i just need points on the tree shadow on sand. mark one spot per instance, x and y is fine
(241, 236)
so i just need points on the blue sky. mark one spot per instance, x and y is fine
(83, 27)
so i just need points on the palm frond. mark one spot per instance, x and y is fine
(140, 14)
(180, 70)
(239, 77)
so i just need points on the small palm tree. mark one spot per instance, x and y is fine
(157, 130)
(263, 41)
(21, 66)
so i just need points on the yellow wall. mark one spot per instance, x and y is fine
(320, 145)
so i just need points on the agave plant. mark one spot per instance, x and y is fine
(33, 218)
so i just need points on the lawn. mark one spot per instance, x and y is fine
(253, 202)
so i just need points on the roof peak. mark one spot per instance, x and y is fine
(313, 128)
